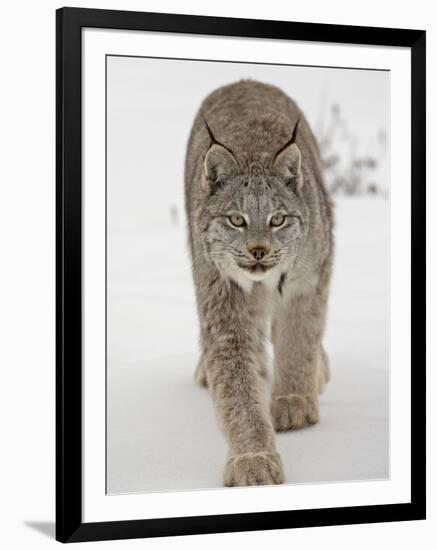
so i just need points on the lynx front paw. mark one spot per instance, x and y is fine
(254, 469)
(292, 411)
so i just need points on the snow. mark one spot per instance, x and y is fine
(162, 433)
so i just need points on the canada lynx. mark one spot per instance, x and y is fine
(260, 230)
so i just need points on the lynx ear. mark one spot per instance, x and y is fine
(288, 160)
(219, 164)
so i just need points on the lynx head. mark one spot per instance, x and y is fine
(254, 209)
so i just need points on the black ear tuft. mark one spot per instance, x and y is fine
(290, 141)
(214, 141)
(287, 161)
(295, 130)
(211, 135)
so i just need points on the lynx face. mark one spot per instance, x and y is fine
(255, 213)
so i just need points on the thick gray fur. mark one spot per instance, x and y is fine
(249, 166)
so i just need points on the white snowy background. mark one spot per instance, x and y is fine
(162, 433)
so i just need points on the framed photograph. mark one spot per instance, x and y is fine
(240, 275)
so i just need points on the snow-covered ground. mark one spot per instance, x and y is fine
(162, 431)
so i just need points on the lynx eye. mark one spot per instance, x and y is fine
(237, 220)
(277, 220)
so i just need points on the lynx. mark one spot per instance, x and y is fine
(260, 235)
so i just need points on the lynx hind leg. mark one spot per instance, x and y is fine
(200, 373)
(324, 374)
(293, 411)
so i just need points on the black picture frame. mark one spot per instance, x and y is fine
(69, 525)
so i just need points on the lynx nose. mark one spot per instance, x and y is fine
(258, 253)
